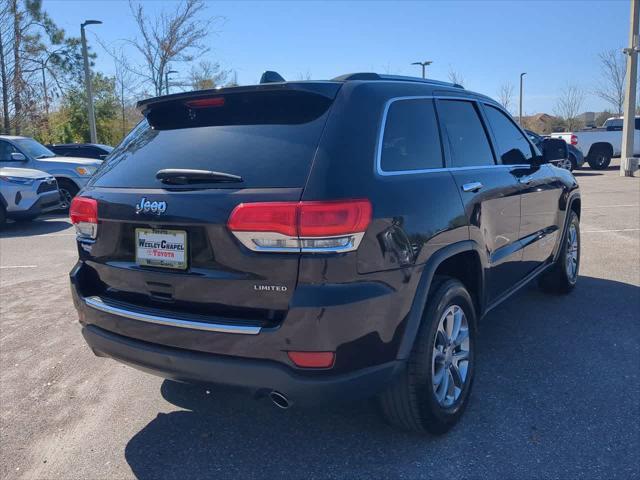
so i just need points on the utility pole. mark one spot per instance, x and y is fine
(87, 80)
(424, 66)
(166, 78)
(628, 164)
(520, 114)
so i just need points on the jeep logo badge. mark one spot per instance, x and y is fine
(146, 206)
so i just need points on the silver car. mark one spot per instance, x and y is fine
(27, 193)
(71, 173)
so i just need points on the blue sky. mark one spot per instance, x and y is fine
(487, 43)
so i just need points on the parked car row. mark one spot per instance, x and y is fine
(571, 162)
(35, 180)
(70, 173)
(599, 145)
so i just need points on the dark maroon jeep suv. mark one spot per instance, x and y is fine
(320, 240)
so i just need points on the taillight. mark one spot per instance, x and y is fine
(321, 227)
(574, 140)
(83, 213)
(312, 359)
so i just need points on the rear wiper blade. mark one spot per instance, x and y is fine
(183, 176)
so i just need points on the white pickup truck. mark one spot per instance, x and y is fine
(600, 144)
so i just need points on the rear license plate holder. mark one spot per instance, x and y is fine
(161, 248)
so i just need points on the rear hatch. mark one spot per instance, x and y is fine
(162, 243)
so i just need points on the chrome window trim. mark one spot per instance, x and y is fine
(390, 173)
(98, 304)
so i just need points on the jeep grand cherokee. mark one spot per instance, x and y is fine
(321, 240)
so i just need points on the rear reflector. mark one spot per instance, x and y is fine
(321, 227)
(205, 102)
(312, 359)
(574, 140)
(83, 213)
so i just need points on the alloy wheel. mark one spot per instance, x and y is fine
(66, 197)
(450, 360)
(571, 260)
(565, 163)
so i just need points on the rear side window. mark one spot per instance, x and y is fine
(267, 138)
(513, 148)
(411, 140)
(466, 135)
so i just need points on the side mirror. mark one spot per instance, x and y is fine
(18, 157)
(554, 149)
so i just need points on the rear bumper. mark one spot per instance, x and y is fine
(258, 376)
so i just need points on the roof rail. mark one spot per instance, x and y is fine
(376, 76)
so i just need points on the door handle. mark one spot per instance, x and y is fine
(472, 187)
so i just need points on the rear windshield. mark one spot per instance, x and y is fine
(267, 138)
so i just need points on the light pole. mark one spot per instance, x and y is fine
(424, 65)
(87, 80)
(166, 78)
(520, 113)
(628, 164)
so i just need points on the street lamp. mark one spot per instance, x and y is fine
(520, 115)
(166, 78)
(87, 80)
(423, 65)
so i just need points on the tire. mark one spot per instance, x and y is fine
(599, 158)
(416, 401)
(3, 216)
(563, 276)
(68, 190)
(574, 162)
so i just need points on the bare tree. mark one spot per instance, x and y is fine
(4, 76)
(125, 88)
(206, 75)
(304, 76)
(455, 77)
(611, 86)
(170, 38)
(569, 105)
(505, 95)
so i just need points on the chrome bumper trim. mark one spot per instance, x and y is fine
(98, 304)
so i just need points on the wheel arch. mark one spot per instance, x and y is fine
(598, 146)
(444, 262)
(574, 204)
(67, 178)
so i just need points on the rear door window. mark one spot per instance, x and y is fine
(465, 133)
(267, 138)
(411, 140)
(513, 148)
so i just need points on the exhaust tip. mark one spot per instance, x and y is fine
(280, 400)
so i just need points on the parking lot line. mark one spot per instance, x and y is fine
(615, 230)
(18, 266)
(611, 206)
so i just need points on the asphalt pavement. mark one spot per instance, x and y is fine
(556, 395)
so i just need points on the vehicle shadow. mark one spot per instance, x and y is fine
(35, 227)
(514, 423)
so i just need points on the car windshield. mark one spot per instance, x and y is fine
(33, 148)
